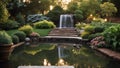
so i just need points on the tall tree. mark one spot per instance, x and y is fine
(3, 12)
(90, 7)
(15, 7)
(107, 9)
(72, 6)
(38, 6)
(54, 14)
(117, 4)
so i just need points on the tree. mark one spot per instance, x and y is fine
(38, 6)
(15, 7)
(72, 7)
(117, 5)
(3, 12)
(90, 7)
(78, 15)
(107, 9)
(54, 14)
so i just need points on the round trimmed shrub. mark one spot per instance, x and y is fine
(44, 25)
(5, 38)
(21, 35)
(15, 39)
(27, 29)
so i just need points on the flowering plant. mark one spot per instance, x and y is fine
(98, 41)
(34, 34)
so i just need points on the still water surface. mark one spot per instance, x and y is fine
(58, 55)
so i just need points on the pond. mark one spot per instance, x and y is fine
(58, 54)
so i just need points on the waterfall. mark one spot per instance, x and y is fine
(66, 20)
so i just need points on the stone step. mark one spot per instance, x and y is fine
(64, 32)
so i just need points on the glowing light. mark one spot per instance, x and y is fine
(45, 62)
(49, 64)
(105, 20)
(28, 1)
(94, 18)
(66, 1)
(51, 7)
(91, 15)
(61, 62)
(24, 0)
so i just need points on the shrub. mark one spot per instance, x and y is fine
(44, 24)
(112, 37)
(15, 39)
(80, 25)
(98, 42)
(27, 29)
(85, 34)
(34, 34)
(103, 25)
(21, 35)
(9, 24)
(100, 20)
(5, 38)
(89, 28)
(98, 29)
(91, 36)
(36, 17)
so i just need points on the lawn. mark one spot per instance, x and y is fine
(42, 32)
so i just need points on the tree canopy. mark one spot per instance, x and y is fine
(90, 7)
(107, 9)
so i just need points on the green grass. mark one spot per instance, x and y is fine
(42, 32)
(11, 32)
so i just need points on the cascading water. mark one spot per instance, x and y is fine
(66, 20)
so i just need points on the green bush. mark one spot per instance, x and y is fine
(5, 38)
(91, 36)
(44, 25)
(4, 14)
(9, 24)
(15, 39)
(100, 20)
(89, 28)
(85, 34)
(112, 37)
(98, 29)
(27, 29)
(103, 25)
(21, 35)
(80, 25)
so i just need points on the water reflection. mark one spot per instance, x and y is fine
(48, 55)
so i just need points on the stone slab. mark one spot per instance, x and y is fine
(45, 66)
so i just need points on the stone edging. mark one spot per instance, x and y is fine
(110, 53)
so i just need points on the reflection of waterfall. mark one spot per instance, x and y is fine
(60, 52)
(66, 21)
